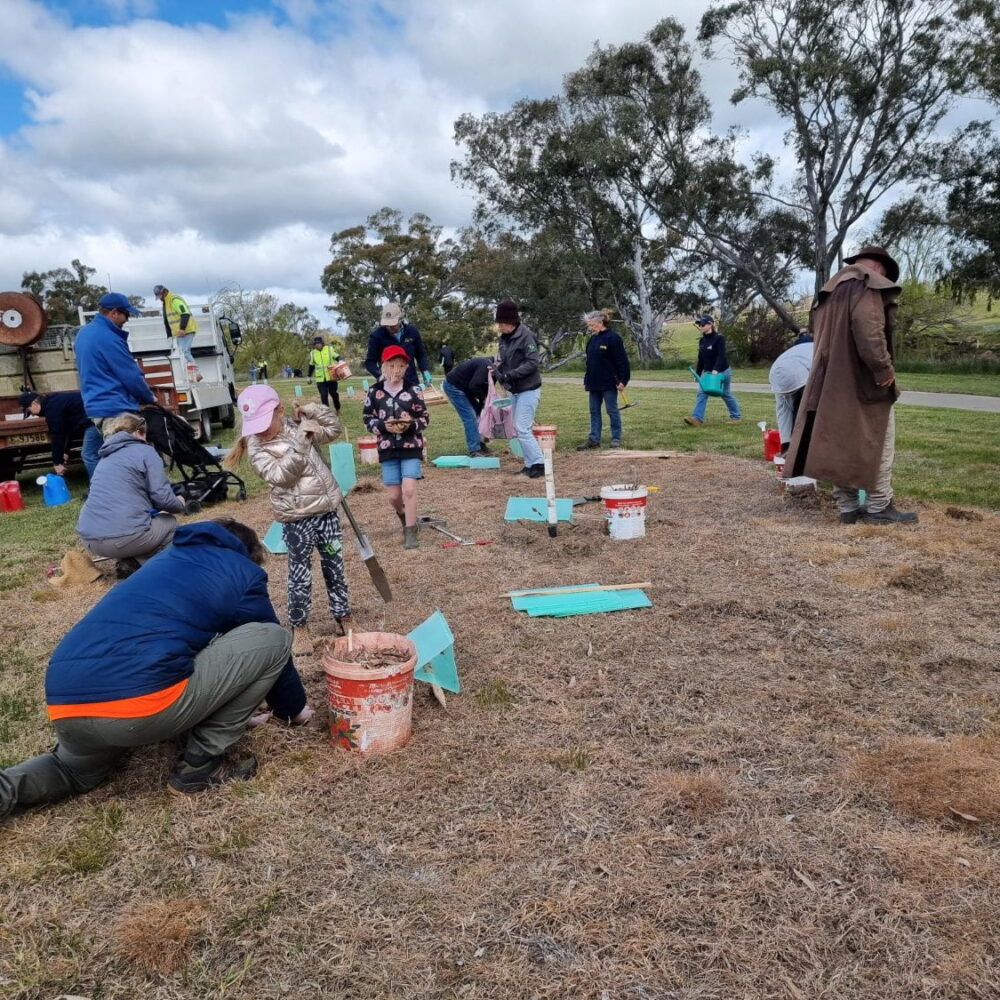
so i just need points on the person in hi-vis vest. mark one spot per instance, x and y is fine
(180, 324)
(321, 357)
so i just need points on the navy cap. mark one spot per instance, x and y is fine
(704, 321)
(115, 300)
(26, 399)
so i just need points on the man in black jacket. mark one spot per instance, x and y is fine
(712, 358)
(447, 358)
(67, 420)
(393, 330)
(607, 373)
(466, 386)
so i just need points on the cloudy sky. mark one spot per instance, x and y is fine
(197, 143)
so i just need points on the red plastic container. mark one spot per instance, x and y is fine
(10, 496)
(772, 444)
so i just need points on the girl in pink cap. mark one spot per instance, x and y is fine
(284, 452)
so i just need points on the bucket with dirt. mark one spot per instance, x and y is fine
(625, 509)
(369, 680)
(368, 449)
(545, 434)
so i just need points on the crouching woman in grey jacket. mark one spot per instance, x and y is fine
(127, 515)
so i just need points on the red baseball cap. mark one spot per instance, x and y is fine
(395, 351)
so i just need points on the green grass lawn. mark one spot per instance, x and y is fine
(950, 456)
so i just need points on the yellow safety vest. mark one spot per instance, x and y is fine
(174, 307)
(321, 360)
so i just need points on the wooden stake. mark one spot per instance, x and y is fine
(577, 590)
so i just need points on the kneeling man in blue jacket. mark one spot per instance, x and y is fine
(189, 644)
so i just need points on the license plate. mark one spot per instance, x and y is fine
(27, 439)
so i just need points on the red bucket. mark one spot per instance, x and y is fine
(10, 496)
(772, 444)
(370, 708)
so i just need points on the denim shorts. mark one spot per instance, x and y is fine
(395, 470)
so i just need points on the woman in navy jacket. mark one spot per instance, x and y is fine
(189, 644)
(607, 373)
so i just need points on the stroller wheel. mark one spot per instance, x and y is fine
(193, 507)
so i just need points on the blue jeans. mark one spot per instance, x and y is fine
(727, 397)
(92, 441)
(525, 404)
(466, 413)
(184, 346)
(609, 397)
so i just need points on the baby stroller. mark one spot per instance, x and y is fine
(204, 479)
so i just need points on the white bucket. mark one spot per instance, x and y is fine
(368, 449)
(625, 510)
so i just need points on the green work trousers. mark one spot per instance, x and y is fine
(232, 675)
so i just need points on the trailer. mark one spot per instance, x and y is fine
(35, 356)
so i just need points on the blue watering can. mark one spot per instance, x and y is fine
(54, 490)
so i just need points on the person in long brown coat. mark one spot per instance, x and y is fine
(845, 430)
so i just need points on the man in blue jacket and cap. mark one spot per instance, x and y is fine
(393, 330)
(110, 378)
(187, 646)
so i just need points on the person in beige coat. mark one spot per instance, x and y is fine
(284, 452)
(845, 429)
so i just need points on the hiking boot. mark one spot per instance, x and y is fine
(616, 444)
(692, 421)
(124, 568)
(188, 778)
(525, 470)
(736, 420)
(588, 445)
(301, 641)
(852, 516)
(410, 537)
(478, 452)
(889, 516)
(536, 472)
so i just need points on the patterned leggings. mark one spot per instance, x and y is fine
(321, 531)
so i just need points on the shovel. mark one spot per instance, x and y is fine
(628, 403)
(375, 571)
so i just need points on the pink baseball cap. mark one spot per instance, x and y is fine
(256, 404)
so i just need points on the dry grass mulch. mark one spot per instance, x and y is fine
(777, 782)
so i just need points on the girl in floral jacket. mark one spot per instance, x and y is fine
(395, 411)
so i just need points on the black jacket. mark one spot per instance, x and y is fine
(447, 357)
(607, 362)
(67, 420)
(517, 362)
(411, 342)
(472, 377)
(712, 353)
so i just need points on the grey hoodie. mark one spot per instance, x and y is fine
(129, 482)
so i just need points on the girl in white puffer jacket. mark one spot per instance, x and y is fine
(284, 452)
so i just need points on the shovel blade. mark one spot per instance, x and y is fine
(379, 578)
(365, 548)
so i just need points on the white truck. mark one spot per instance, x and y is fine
(38, 357)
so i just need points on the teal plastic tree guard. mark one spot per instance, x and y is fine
(274, 540)
(584, 603)
(436, 653)
(342, 465)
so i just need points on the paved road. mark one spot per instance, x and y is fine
(947, 400)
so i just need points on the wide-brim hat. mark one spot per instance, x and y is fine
(880, 254)
(256, 404)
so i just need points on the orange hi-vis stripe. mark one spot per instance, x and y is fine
(139, 707)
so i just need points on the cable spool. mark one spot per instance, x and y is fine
(22, 319)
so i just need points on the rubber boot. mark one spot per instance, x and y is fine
(410, 537)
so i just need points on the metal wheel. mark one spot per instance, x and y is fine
(22, 319)
(227, 415)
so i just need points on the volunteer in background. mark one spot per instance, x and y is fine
(517, 370)
(607, 373)
(466, 386)
(394, 331)
(180, 324)
(110, 378)
(712, 358)
(787, 378)
(67, 420)
(321, 358)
